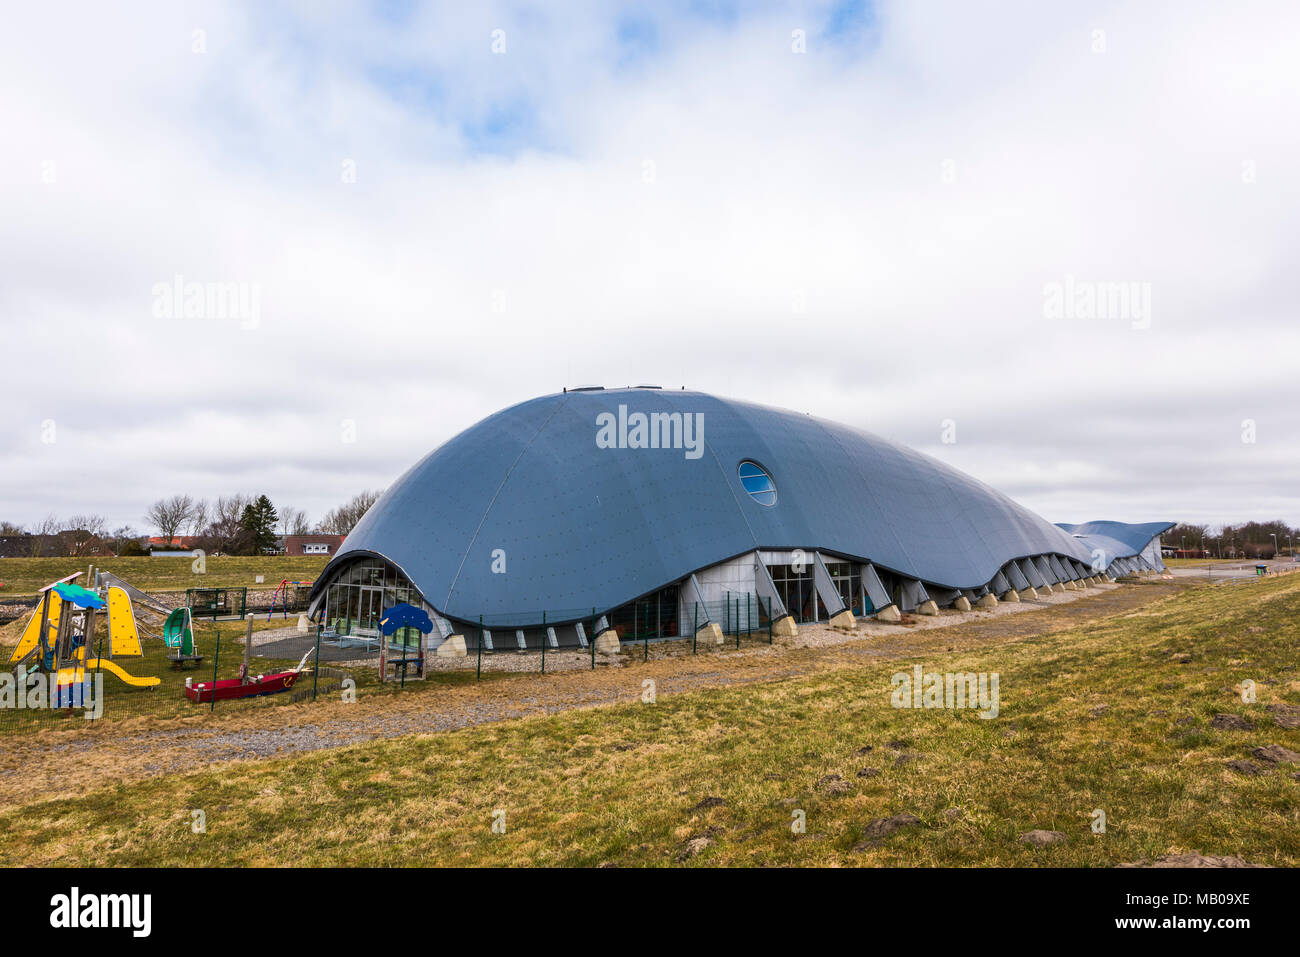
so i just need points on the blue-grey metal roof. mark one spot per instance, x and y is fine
(583, 526)
(1134, 537)
(1111, 540)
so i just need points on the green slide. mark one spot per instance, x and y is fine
(178, 632)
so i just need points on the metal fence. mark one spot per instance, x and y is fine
(216, 604)
(161, 685)
(566, 639)
(38, 697)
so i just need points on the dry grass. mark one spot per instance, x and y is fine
(25, 576)
(621, 783)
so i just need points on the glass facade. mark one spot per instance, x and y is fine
(848, 582)
(797, 591)
(654, 616)
(360, 593)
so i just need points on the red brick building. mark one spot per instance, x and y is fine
(312, 544)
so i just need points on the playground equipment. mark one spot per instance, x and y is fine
(178, 635)
(281, 595)
(403, 616)
(246, 686)
(217, 604)
(61, 633)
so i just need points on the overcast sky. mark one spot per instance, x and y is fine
(434, 220)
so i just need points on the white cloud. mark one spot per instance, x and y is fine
(464, 271)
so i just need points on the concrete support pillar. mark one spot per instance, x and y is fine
(709, 634)
(927, 608)
(1028, 594)
(607, 642)
(889, 613)
(452, 647)
(991, 600)
(785, 627)
(963, 603)
(844, 621)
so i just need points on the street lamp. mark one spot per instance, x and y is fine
(1273, 535)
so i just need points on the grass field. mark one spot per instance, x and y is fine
(24, 576)
(1114, 715)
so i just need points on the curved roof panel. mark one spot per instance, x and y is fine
(582, 525)
(1116, 539)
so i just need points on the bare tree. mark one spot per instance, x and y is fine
(341, 520)
(199, 516)
(225, 530)
(80, 534)
(9, 528)
(168, 515)
(41, 532)
(124, 539)
(293, 521)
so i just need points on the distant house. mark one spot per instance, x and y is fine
(74, 543)
(312, 544)
(176, 541)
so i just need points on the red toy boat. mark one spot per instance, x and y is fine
(230, 688)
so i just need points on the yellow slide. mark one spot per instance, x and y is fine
(33, 630)
(78, 674)
(146, 682)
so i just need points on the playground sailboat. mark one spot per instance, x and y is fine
(228, 689)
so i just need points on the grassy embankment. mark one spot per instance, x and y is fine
(1113, 716)
(25, 576)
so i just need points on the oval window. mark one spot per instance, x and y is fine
(757, 483)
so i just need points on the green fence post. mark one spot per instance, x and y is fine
(593, 639)
(478, 670)
(216, 655)
(543, 642)
(315, 672)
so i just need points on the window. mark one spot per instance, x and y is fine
(361, 592)
(797, 591)
(758, 483)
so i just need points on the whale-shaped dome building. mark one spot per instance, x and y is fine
(645, 512)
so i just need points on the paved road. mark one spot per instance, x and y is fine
(1237, 569)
